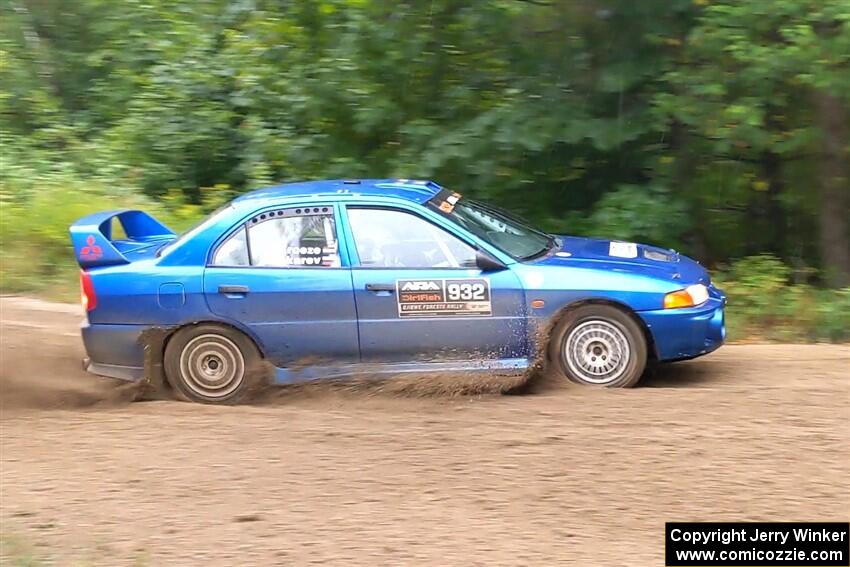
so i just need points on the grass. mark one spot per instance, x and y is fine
(17, 552)
(765, 304)
(36, 256)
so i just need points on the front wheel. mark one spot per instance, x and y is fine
(598, 345)
(211, 364)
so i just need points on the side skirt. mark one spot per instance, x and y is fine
(282, 376)
(506, 366)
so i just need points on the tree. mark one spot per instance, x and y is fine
(716, 126)
(766, 84)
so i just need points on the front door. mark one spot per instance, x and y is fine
(419, 298)
(281, 275)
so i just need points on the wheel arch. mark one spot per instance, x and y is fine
(155, 339)
(174, 330)
(553, 321)
(188, 386)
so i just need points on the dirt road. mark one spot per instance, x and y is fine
(566, 476)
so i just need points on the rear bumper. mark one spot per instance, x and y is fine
(115, 351)
(687, 333)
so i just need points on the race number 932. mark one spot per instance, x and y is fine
(466, 291)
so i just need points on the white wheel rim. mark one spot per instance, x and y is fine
(597, 351)
(212, 366)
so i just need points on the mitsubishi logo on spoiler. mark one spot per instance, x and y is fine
(91, 251)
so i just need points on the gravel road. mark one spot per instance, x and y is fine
(567, 475)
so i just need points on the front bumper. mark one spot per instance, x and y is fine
(690, 332)
(115, 351)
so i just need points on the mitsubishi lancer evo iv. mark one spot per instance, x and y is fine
(379, 277)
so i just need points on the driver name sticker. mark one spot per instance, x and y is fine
(444, 297)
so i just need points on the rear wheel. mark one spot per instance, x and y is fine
(598, 345)
(211, 364)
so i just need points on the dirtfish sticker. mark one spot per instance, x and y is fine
(623, 249)
(441, 298)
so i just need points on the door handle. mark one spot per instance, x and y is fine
(233, 289)
(380, 287)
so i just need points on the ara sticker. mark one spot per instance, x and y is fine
(623, 249)
(443, 297)
(91, 251)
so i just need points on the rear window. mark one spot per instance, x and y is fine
(287, 238)
(234, 250)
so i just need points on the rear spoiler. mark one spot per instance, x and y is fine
(93, 243)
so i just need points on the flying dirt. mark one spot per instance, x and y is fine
(374, 474)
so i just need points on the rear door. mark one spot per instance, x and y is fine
(418, 298)
(282, 276)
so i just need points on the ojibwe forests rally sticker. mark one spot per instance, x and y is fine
(462, 297)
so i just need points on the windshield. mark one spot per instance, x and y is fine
(499, 228)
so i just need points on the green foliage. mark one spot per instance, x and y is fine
(36, 211)
(763, 303)
(695, 124)
(644, 214)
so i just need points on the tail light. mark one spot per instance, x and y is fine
(87, 295)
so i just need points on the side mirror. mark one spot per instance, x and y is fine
(487, 263)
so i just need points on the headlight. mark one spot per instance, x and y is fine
(691, 296)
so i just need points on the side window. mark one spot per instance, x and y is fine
(234, 251)
(294, 238)
(396, 239)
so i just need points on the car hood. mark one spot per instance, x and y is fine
(625, 256)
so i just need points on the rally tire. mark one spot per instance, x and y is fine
(598, 345)
(211, 364)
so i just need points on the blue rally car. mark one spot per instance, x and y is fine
(329, 279)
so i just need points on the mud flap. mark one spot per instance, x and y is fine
(153, 385)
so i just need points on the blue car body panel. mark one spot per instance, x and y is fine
(292, 313)
(326, 315)
(386, 337)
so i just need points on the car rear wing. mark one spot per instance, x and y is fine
(92, 237)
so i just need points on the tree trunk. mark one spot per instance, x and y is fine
(834, 162)
(681, 145)
(776, 225)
